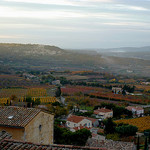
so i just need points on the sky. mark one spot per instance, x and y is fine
(76, 24)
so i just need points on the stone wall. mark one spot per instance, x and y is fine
(40, 129)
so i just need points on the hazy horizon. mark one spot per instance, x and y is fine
(66, 48)
(76, 24)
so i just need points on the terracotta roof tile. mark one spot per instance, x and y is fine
(134, 107)
(104, 110)
(4, 135)
(18, 145)
(17, 116)
(77, 119)
(92, 119)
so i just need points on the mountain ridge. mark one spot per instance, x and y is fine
(45, 57)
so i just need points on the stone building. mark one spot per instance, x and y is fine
(27, 124)
(136, 110)
(79, 122)
(103, 113)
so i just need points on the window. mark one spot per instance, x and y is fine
(40, 127)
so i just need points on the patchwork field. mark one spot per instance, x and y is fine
(103, 93)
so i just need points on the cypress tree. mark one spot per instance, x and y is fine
(138, 143)
(146, 145)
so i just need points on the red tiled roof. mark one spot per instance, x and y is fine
(92, 119)
(77, 119)
(18, 145)
(104, 110)
(17, 116)
(133, 107)
(4, 135)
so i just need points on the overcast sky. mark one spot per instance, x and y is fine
(76, 23)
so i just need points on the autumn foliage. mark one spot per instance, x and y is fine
(143, 123)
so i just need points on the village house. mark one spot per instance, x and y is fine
(56, 82)
(103, 113)
(27, 124)
(79, 122)
(136, 110)
(116, 90)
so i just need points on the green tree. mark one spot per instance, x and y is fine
(37, 101)
(29, 101)
(60, 111)
(56, 103)
(146, 145)
(149, 138)
(64, 136)
(126, 130)
(138, 143)
(70, 105)
(63, 80)
(58, 92)
(109, 126)
(51, 108)
(80, 137)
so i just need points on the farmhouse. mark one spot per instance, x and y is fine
(79, 122)
(136, 110)
(27, 124)
(116, 90)
(103, 113)
(56, 82)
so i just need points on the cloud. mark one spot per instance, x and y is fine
(51, 2)
(17, 13)
(10, 36)
(128, 24)
(131, 7)
(61, 2)
(70, 20)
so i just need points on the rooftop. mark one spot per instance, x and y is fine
(77, 119)
(18, 145)
(134, 107)
(16, 116)
(104, 110)
(4, 135)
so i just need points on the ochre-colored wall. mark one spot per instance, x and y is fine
(17, 134)
(34, 134)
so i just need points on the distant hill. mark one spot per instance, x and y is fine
(15, 57)
(131, 52)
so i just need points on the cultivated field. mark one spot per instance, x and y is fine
(143, 123)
